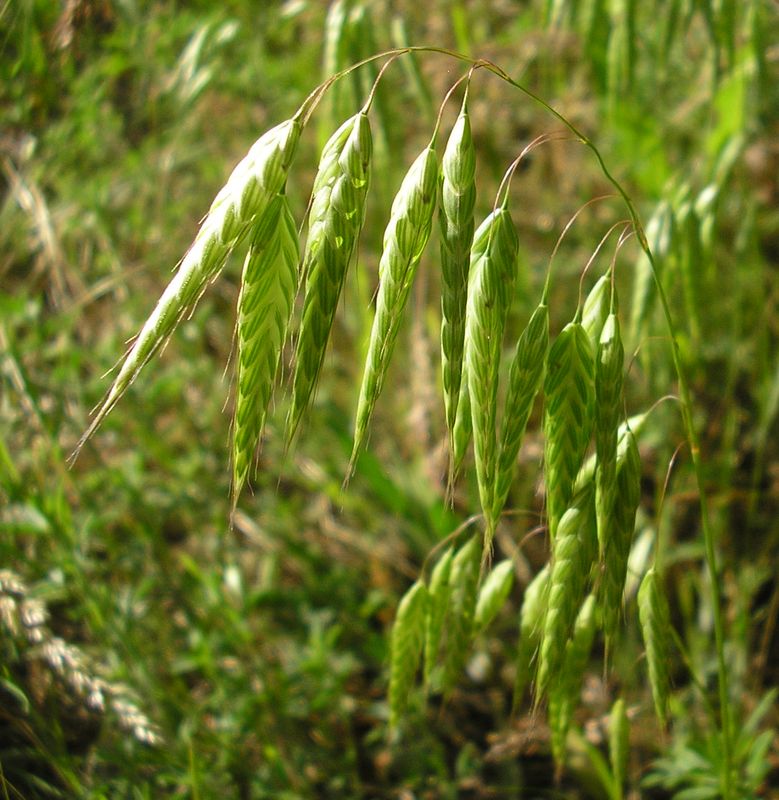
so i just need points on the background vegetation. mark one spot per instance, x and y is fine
(251, 661)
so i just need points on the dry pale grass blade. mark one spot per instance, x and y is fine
(458, 196)
(569, 390)
(655, 621)
(336, 217)
(492, 276)
(609, 370)
(525, 377)
(268, 286)
(243, 200)
(404, 242)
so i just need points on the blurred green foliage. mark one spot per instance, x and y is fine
(260, 649)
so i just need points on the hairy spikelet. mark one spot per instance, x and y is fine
(464, 579)
(570, 569)
(245, 198)
(408, 635)
(404, 241)
(564, 693)
(336, 217)
(525, 378)
(439, 592)
(617, 550)
(264, 307)
(619, 743)
(596, 309)
(458, 195)
(493, 593)
(569, 389)
(531, 620)
(492, 274)
(609, 365)
(655, 628)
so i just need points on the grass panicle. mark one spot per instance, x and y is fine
(457, 199)
(526, 375)
(243, 200)
(493, 593)
(655, 619)
(268, 284)
(439, 591)
(404, 242)
(531, 619)
(569, 390)
(492, 275)
(334, 223)
(408, 636)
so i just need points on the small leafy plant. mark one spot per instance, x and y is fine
(592, 493)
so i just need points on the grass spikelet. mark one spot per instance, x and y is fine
(609, 366)
(458, 195)
(404, 241)
(619, 744)
(462, 606)
(564, 694)
(566, 588)
(617, 549)
(492, 273)
(461, 433)
(569, 389)
(655, 620)
(264, 307)
(531, 620)
(596, 309)
(245, 198)
(336, 217)
(525, 377)
(439, 591)
(408, 635)
(493, 593)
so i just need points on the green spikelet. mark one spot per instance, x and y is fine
(461, 434)
(617, 550)
(609, 366)
(564, 692)
(439, 592)
(264, 307)
(408, 635)
(596, 309)
(493, 593)
(243, 200)
(619, 744)
(492, 274)
(404, 241)
(464, 579)
(525, 378)
(336, 217)
(655, 628)
(458, 195)
(570, 569)
(531, 620)
(569, 389)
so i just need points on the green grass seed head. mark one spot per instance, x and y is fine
(596, 309)
(526, 375)
(264, 307)
(336, 217)
(439, 591)
(531, 620)
(458, 196)
(249, 190)
(408, 635)
(569, 390)
(404, 241)
(493, 593)
(655, 620)
(492, 273)
(619, 743)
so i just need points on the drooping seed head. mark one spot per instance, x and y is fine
(655, 628)
(408, 635)
(439, 591)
